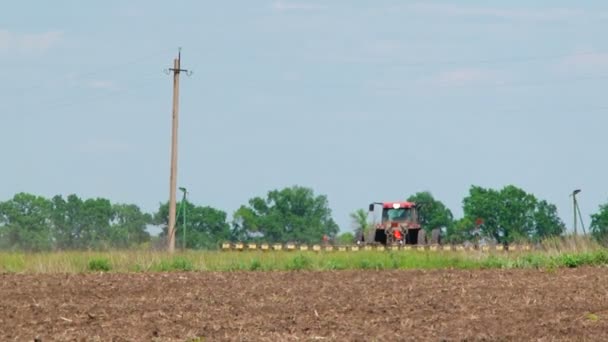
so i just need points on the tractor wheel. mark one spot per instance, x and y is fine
(436, 236)
(390, 238)
(421, 237)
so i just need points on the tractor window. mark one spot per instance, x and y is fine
(400, 214)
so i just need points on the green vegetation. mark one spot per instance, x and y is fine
(287, 215)
(433, 213)
(599, 224)
(509, 215)
(146, 261)
(592, 317)
(360, 224)
(99, 264)
(34, 223)
(293, 214)
(346, 238)
(178, 263)
(206, 227)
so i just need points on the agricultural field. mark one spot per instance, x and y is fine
(356, 305)
(282, 296)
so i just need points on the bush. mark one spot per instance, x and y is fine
(334, 265)
(99, 264)
(571, 260)
(176, 264)
(534, 260)
(600, 257)
(182, 264)
(255, 265)
(365, 264)
(300, 262)
(492, 262)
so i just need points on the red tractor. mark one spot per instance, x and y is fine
(400, 224)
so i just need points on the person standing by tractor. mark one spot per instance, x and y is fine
(398, 236)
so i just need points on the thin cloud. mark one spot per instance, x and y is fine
(29, 43)
(102, 84)
(453, 10)
(585, 62)
(104, 146)
(283, 6)
(467, 76)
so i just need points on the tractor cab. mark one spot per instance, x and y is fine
(399, 223)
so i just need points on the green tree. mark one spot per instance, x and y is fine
(511, 214)
(128, 226)
(360, 223)
(25, 223)
(291, 214)
(205, 227)
(79, 224)
(547, 222)
(431, 212)
(599, 224)
(346, 238)
(460, 231)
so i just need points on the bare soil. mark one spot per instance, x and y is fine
(441, 305)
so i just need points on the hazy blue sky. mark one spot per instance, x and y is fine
(360, 100)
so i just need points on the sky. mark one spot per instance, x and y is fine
(361, 101)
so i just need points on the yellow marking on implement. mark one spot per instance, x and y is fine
(240, 246)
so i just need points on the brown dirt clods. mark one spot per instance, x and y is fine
(441, 305)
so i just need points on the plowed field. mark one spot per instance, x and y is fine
(520, 305)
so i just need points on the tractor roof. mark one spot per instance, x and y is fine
(397, 205)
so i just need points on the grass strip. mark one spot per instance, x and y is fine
(147, 261)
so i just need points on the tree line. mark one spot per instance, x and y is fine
(292, 214)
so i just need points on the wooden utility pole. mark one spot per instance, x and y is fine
(574, 207)
(173, 181)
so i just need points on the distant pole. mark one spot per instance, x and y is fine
(173, 181)
(574, 207)
(580, 217)
(184, 246)
(184, 199)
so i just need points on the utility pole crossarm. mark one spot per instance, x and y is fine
(177, 66)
